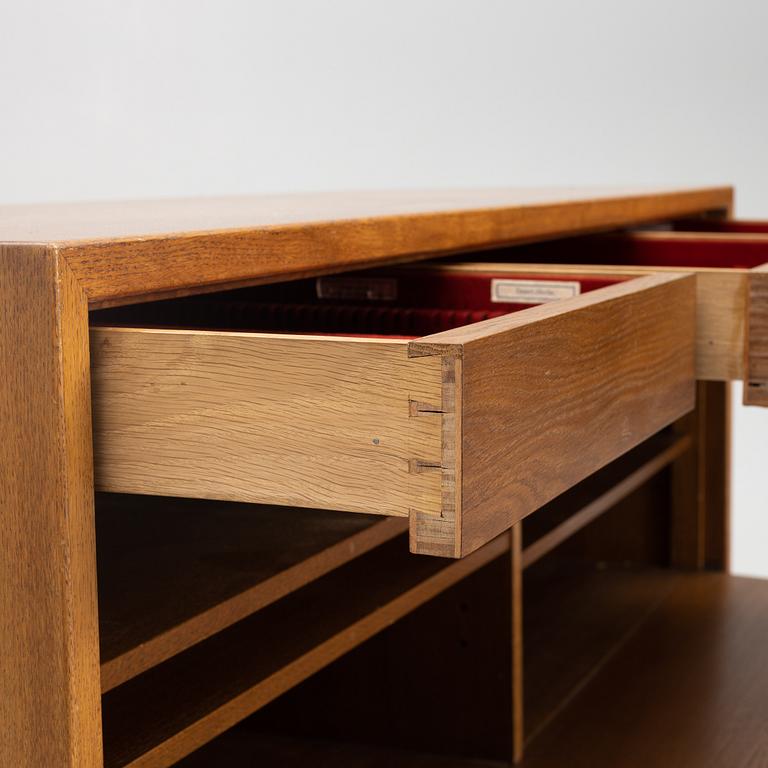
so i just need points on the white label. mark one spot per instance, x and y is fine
(533, 291)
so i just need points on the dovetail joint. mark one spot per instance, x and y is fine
(417, 408)
(416, 466)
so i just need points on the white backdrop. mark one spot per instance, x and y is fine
(108, 99)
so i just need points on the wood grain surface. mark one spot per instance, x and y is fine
(650, 537)
(756, 357)
(318, 422)
(49, 676)
(325, 422)
(551, 394)
(721, 312)
(606, 501)
(59, 260)
(122, 252)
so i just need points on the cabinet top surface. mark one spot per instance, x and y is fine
(117, 220)
(142, 248)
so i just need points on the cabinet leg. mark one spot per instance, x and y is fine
(518, 733)
(700, 483)
(49, 653)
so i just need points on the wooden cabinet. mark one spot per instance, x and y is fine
(465, 431)
(224, 419)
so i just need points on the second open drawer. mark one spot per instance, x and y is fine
(730, 261)
(465, 430)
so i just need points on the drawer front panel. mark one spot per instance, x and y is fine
(548, 396)
(277, 420)
(756, 378)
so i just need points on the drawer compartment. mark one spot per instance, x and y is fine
(464, 430)
(730, 261)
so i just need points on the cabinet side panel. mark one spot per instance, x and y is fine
(49, 668)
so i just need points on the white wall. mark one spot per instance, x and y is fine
(749, 488)
(108, 99)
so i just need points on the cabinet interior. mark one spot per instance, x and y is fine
(403, 303)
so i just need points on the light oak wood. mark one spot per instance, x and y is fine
(721, 307)
(158, 718)
(49, 675)
(730, 300)
(605, 370)
(303, 421)
(121, 252)
(381, 426)
(720, 324)
(172, 572)
(756, 354)
(58, 260)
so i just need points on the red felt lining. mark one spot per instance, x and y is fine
(676, 249)
(694, 251)
(346, 319)
(738, 226)
(427, 301)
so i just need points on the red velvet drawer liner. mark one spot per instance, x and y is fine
(740, 226)
(674, 250)
(347, 319)
(427, 302)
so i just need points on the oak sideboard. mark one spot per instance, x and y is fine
(401, 478)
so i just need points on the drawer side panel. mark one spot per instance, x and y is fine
(721, 298)
(299, 421)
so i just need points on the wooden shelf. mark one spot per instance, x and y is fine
(172, 572)
(449, 661)
(162, 715)
(599, 493)
(576, 616)
(241, 748)
(683, 684)
(685, 687)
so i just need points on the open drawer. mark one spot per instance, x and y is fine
(370, 399)
(729, 259)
